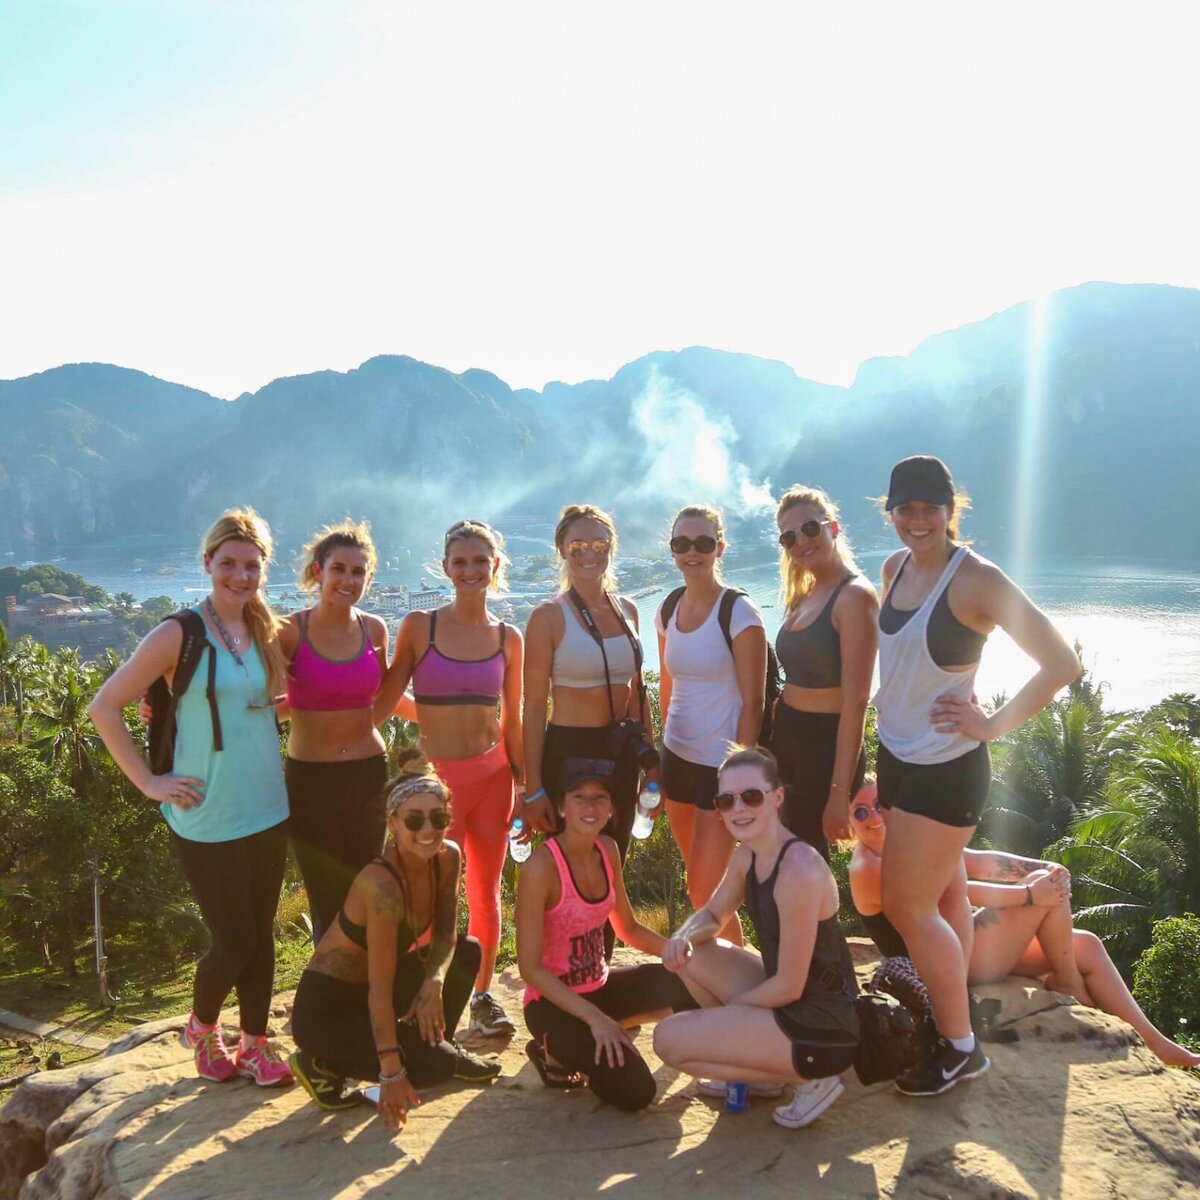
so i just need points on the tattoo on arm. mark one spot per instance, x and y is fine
(1011, 868)
(985, 917)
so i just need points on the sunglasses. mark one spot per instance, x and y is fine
(810, 529)
(414, 822)
(598, 546)
(751, 798)
(704, 544)
(862, 812)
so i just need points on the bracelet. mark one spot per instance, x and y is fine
(401, 1074)
(388, 1050)
(536, 795)
(1028, 897)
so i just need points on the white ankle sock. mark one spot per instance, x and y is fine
(963, 1045)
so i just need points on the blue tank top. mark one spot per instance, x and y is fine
(243, 784)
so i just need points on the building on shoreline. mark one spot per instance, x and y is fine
(63, 621)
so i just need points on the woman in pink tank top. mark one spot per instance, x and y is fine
(336, 766)
(465, 668)
(577, 1007)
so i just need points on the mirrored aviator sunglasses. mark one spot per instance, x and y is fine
(598, 546)
(810, 529)
(704, 544)
(751, 798)
(414, 822)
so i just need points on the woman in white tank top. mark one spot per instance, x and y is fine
(940, 603)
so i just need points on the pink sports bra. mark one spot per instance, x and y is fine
(573, 930)
(439, 679)
(320, 684)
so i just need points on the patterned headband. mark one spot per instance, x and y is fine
(413, 785)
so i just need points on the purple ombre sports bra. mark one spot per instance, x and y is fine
(439, 679)
(320, 684)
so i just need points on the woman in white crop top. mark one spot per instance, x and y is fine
(940, 603)
(566, 678)
(711, 697)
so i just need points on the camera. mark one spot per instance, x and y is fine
(630, 740)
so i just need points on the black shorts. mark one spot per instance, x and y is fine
(687, 782)
(817, 1053)
(951, 793)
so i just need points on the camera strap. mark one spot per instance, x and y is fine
(589, 623)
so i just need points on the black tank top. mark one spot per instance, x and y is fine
(406, 935)
(950, 642)
(812, 657)
(831, 985)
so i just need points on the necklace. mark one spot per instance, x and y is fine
(231, 643)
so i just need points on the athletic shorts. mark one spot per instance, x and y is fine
(817, 1053)
(951, 793)
(688, 783)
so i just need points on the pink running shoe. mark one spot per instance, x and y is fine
(212, 1059)
(258, 1062)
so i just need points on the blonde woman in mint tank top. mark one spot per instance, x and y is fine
(940, 602)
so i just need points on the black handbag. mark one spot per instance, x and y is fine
(890, 1042)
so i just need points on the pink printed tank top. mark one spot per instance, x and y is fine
(573, 930)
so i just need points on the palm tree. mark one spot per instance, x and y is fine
(64, 734)
(1136, 858)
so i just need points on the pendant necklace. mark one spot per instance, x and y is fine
(231, 643)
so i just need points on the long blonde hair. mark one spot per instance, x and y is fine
(796, 581)
(347, 534)
(588, 512)
(490, 537)
(245, 525)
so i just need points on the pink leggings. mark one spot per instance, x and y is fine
(481, 804)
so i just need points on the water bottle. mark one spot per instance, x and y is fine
(737, 1099)
(519, 851)
(648, 802)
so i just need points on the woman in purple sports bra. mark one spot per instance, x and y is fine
(465, 668)
(336, 766)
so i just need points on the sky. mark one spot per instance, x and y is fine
(221, 193)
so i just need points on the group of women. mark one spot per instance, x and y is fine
(556, 723)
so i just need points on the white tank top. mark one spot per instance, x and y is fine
(578, 662)
(910, 681)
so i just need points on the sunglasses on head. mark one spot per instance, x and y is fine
(704, 544)
(862, 812)
(414, 822)
(810, 529)
(751, 798)
(579, 547)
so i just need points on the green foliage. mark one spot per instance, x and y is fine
(24, 582)
(1166, 981)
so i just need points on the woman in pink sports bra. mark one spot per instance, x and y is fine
(336, 766)
(465, 668)
(577, 1008)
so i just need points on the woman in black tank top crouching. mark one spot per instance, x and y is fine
(388, 982)
(826, 649)
(787, 1016)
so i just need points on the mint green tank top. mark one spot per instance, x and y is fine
(244, 791)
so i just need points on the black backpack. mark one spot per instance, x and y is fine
(774, 688)
(164, 700)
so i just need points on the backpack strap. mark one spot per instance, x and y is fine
(669, 605)
(195, 642)
(725, 614)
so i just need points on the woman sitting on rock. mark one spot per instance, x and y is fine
(388, 982)
(1022, 927)
(576, 1006)
(789, 1015)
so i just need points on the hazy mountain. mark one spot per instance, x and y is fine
(1077, 421)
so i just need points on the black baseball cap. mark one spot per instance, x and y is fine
(580, 770)
(921, 477)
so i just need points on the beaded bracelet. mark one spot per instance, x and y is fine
(401, 1074)
(387, 1050)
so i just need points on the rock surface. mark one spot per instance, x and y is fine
(1077, 1108)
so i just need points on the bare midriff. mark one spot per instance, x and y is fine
(587, 706)
(457, 731)
(338, 736)
(814, 700)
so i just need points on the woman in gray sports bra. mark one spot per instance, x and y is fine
(826, 649)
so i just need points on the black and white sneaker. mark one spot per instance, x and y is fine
(488, 1018)
(941, 1069)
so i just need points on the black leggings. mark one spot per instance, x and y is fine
(337, 827)
(332, 1020)
(805, 744)
(236, 884)
(628, 992)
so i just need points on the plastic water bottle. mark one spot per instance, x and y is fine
(520, 851)
(648, 801)
(737, 1099)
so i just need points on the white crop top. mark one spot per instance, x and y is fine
(578, 662)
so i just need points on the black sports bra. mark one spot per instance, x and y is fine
(406, 936)
(950, 642)
(812, 657)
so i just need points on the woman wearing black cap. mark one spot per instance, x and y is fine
(940, 603)
(577, 1007)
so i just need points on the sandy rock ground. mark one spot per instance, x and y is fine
(1075, 1108)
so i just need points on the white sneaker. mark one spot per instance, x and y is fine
(809, 1102)
(716, 1087)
